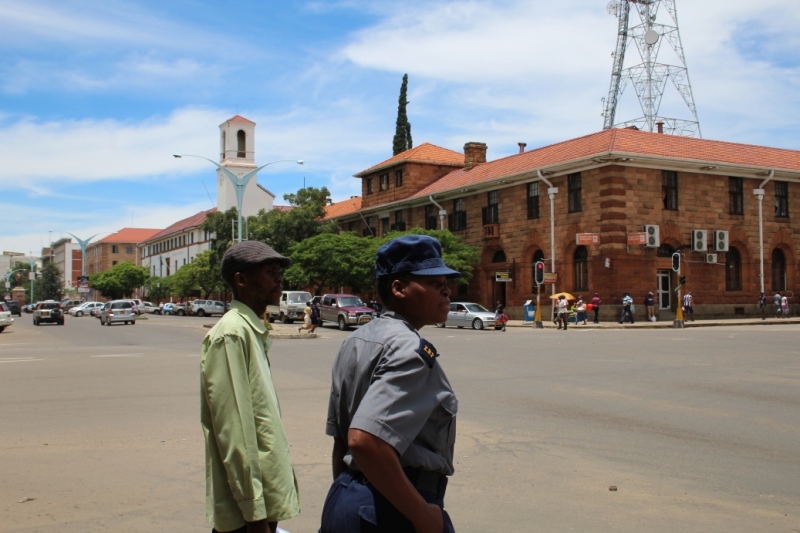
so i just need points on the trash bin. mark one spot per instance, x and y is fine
(530, 313)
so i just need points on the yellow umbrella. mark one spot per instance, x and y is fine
(566, 295)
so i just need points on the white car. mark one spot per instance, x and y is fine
(5, 317)
(207, 308)
(85, 308)
(150, 308)
(468, 314)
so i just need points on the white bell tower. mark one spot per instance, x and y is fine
(237, 154)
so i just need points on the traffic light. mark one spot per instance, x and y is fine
(676, 262)
(538, 270)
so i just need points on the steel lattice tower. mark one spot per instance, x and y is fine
(649, 78)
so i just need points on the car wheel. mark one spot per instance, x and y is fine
(79, 314)
(61, 323)
(2, 328)
(460, 327)
(35, 322)
(181, 312)
(133, 322)
(201, 313)
(439, 325)
(271, 319)
(342, 324)
(283, 319)
(477, 324)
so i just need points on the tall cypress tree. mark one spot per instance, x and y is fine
(402, 135)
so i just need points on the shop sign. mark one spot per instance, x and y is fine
(550, 278)
(637, 238)
(503, 277)
(587, 239)
(83, 284)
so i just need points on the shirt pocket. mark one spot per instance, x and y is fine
(446, 427)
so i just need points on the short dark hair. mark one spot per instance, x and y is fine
(383, 286)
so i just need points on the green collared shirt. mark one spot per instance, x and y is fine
(249, 474)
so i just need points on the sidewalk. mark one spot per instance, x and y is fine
(667, 324)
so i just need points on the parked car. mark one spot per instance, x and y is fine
(13, 307)
(50, 312)
(66, 305)
(466, 314)
(29, 308)
(117, 311)
(290, 308)
(150, 308)
(174, 309)
(84, 309)
(95, 311)
(345, 310)
(207, 308)
(5, 317)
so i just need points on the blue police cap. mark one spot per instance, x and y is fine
(420, 255)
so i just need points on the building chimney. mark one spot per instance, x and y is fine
(522, 147)
(660, 125)
(474, 155)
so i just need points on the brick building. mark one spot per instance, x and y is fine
(116, 248)
(612, 184)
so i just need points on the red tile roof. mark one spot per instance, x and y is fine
(239, 118)
(342, 208)
(190, 222)
(619, 143)
(283, 208)
(424, 153)
(132, 235)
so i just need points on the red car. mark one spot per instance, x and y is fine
(345, 310)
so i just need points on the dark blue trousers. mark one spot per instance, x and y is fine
(353, 505)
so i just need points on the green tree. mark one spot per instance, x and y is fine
(157, 288)
(402, 134)
(120, 280)
(220, 225)
(198, 275)
(50, 284)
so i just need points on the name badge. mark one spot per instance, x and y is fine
(428, 352)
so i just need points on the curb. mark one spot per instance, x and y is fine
(668, 325)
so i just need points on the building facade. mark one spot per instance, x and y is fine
(115, 248)
(607, 189)
(67, 257)
(170, 249)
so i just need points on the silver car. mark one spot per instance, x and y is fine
(84, 309)
(207, 308)
(466, 314)
(117, 311)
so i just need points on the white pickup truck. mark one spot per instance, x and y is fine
(290, 308)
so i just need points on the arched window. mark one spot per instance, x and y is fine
(733, 270)
(778, 270)
(499, 257)
(241, 151)
(538, 256)
(581, 266)
(665, 250)
(224, 148)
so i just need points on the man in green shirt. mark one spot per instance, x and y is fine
(250, 482)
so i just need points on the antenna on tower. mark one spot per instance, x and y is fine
(649, 78)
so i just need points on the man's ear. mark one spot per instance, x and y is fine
(398, 288)
(239, 280)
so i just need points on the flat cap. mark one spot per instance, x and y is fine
(248, 254)
(420, 255)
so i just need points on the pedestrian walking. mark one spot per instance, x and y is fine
(762, 303)
(392, 411)
(627, 308)
(306, 319)
(316, 319)
(250, 482)
(596, 307)
(777, 301)
(581, 314)
(562, 307)
(688, 305)
(784, 305)
(650, 304)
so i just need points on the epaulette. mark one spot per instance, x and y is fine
(428, 352)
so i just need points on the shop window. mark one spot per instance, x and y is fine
(736, 193)
(538, 256)
(778, 270)
(491, 213)
(458, 218)
(398, 178)
(733, 270)
(574, 185)
(581, 266)
(384, 182)
(781, 199)
(430, 217)
(533, 200)
(669, 189)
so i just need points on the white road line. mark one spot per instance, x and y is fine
(21, 360)
(15, 344)
(120, 355)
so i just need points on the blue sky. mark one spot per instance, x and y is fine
(95, 96)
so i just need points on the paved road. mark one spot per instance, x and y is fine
(698, 429)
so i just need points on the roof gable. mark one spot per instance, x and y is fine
(424, 153)
(181, 225)
(342, 208)
(240, 118)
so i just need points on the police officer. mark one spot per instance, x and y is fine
(392, 412)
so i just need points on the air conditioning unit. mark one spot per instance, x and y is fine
(721, 240)
(699, 240)
(653, 239)
(711, 258)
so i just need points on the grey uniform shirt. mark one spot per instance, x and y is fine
(385, 382)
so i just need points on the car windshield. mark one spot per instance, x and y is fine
(299, 297)
(475, 308)
(121, 305)
(3, 307)
(50, 306)
(351, 301)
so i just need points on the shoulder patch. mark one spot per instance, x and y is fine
(428, 352)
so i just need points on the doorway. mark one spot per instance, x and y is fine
(498, 294)
(664, 289)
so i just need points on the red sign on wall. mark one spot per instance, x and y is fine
(637, 238)
(587, 238)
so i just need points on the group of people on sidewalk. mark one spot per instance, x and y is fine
(580, 308)
(781, 302)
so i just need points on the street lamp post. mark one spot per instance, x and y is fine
(239, 182)
(83, 244)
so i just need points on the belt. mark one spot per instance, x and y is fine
(423, 480)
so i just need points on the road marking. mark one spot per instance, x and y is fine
(120, 355)
(15, 344)
(28, 360)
